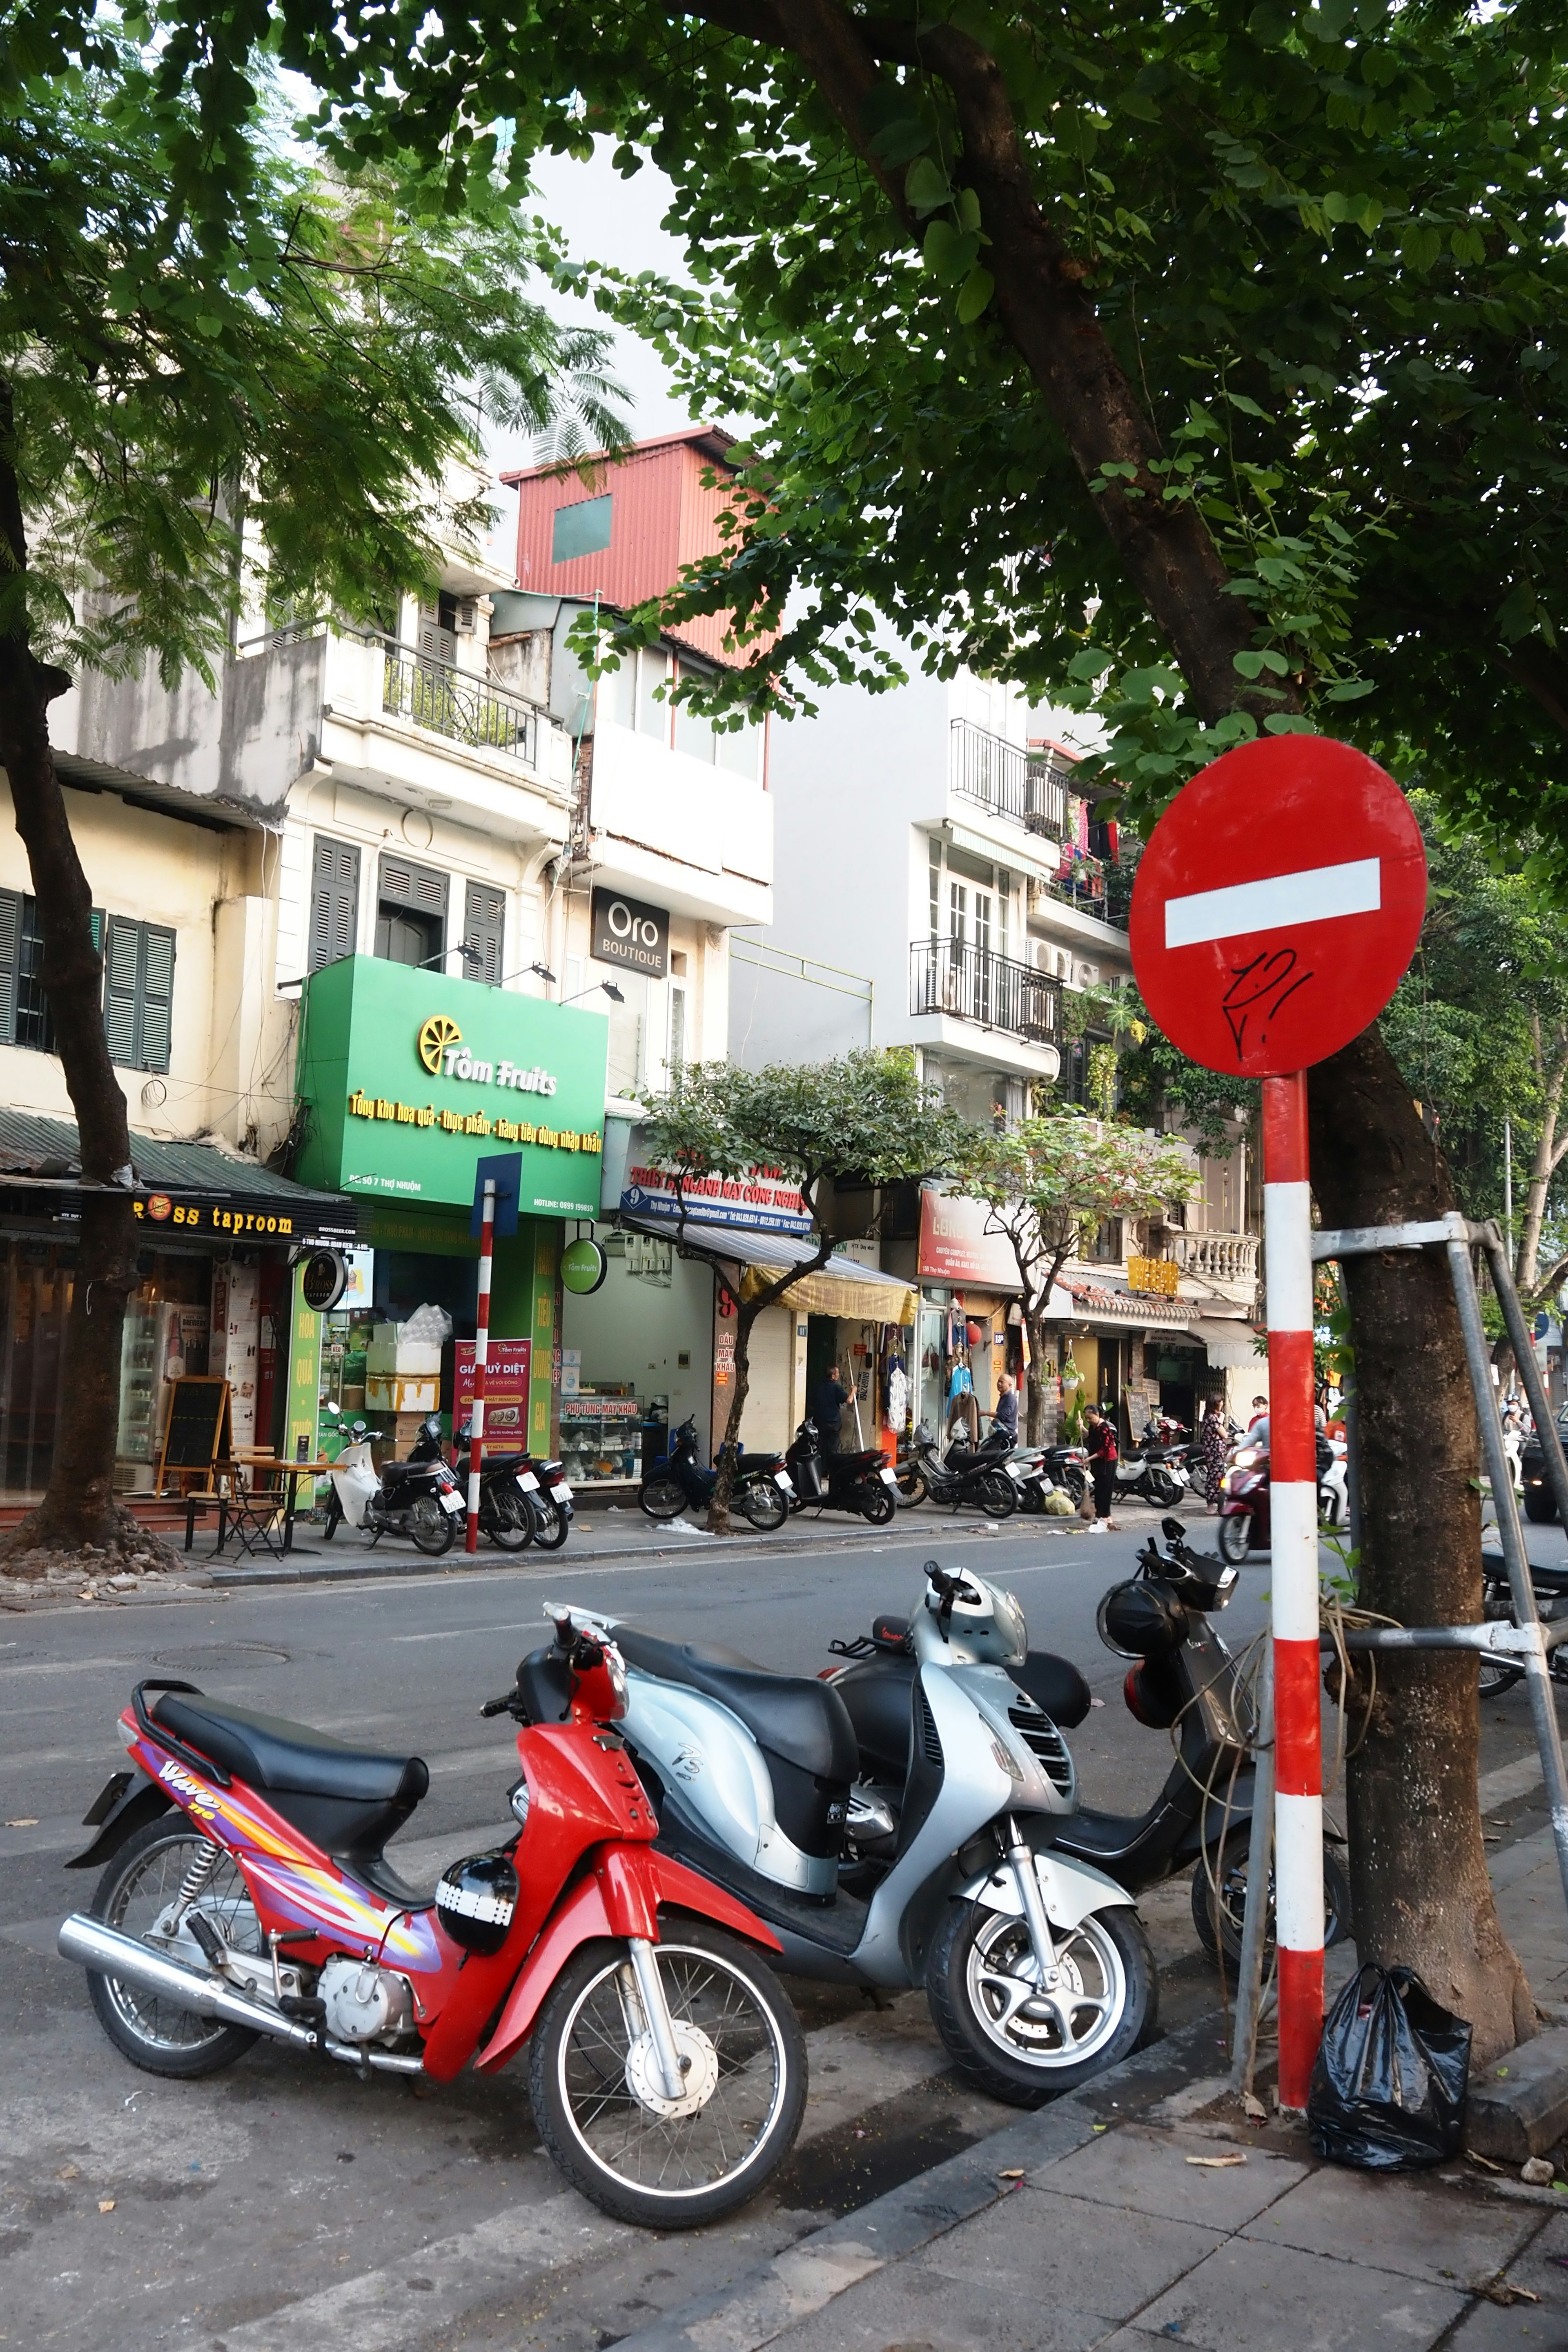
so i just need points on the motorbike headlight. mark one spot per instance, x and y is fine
(1246, 1458)
(517, 1798)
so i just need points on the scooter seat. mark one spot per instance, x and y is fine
(793, 1715)
(273, 1754)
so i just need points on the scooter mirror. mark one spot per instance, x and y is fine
(1172, 1530)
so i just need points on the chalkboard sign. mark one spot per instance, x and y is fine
(198, 1433)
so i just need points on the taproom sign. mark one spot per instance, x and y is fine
(628, 933)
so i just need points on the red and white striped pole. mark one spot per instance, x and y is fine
(1293, 1510)
(481, 1350)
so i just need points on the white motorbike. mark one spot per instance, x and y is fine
(1035, 1966)
(421, 1500)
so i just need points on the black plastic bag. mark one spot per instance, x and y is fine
(1388, 2088)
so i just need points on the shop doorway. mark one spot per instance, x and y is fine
(821, 1353)
(35, 1298)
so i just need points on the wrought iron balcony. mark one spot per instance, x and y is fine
(972, 984)
(452, 702)
(1003, 778)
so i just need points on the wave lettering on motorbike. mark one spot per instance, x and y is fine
(197, 1799)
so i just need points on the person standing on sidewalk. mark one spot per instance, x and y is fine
(1213, 1447)
(1006, 1417)
(827, 1402)
(1100, 1439)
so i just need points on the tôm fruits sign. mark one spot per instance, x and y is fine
(409, 1078)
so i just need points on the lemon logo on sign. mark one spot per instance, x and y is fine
(434, 1035)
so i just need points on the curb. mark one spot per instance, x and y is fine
(803, 2278)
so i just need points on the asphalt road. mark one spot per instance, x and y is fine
(279, 2202)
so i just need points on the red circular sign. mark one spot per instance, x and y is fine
(1277, 905)
(159, 1206)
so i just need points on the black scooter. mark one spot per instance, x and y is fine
(1181, 1674)
(860, 1483)
(680, 1482)
(1500, 1674)
(971, 1475)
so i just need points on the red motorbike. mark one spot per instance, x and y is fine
(1244, 1505)
(248, 1893)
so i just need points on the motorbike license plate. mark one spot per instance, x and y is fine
(562, 1489)
(782, 1480)
(451, 1502)
(527, 1482)
(889, 1477)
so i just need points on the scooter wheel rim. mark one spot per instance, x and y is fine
(642, 2150)
(1060, 2026)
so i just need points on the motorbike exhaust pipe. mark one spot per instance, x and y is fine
(111, 1954)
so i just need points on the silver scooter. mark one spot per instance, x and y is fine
(1035, 1966)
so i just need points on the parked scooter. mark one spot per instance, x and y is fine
(1497, 1674)
(1154, 1470)
(860, 1483)
(420, 1500)
(505, 1517)
(1034, 1965)
(1244, 1516)
(680, 1482)
(1068, 1466)
(1182, 1675)
(666, 2067)
(974, 1475)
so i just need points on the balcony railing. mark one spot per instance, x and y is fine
(1216, 1257)
(452, 702)
(1003, 778)
(972, 984)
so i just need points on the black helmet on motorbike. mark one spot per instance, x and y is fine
(476, 1899)
(1141, 1619)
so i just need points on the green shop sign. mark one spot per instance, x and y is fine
(410, 1078)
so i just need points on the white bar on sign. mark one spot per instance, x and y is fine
(1309, 897)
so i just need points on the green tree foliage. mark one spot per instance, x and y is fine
(859, 1124)
(1048, 1184)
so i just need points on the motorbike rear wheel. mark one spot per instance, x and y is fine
(1027, 2048)
(765, 1505)
(1163, 1491)
(549, 1522)
(585, 2062)
(433, 1529)
(1076, 1483)
(1236, 1536)
(997, 1495)
(661, 1498)
(912, 1490)
(510, 1526)
(136, 1891)
(874, 1501)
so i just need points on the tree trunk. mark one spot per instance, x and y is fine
(1035, 1380)
(1542, 1168)
(78, 1506)
(1418, 1871)
(724, 1460)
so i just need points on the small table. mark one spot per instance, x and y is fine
(252, 1512)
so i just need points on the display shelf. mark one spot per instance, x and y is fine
(600, 1437)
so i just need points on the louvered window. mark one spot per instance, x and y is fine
(25, 1015)
(138, 992)
(484, 930)
(411, 912)
(334, 901)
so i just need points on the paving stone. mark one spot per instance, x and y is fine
(1416, 2227)
(1542, 2268)
(1148, 2170)
(908, 2308)
(1255, 2298)
(1063, 2251)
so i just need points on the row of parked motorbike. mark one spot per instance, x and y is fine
(687, 1824)
(996, 1476)
(523, 1499)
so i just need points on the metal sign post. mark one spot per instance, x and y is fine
(481, 1348)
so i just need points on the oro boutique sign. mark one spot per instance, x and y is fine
(410, 1078)
(631, 934)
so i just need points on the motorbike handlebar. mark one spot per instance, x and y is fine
(500, 1705)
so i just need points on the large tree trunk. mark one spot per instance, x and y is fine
(1418, 1870)
(78, 1506)
(1034, 1381)
(719, 1522)
(1542, 1167)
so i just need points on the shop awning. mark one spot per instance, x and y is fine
(1093, 1303)
(216, 1191)
(861, 1294)
(1230, 1344)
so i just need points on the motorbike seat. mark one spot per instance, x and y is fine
(793, 1715)
(270, 1753)
(1546, 1580)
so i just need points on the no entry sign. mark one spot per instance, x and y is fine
(1277, 905)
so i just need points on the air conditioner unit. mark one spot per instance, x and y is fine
(1088, 975)
(1055, 962)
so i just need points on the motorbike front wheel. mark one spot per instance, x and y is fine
(874, 1500)
(509, 1524)
(997, 1495)
(594, 2087)
(550, 1520)
(1025, 2043)
(765, 1505)
(433, 1529)
(1236, 1536)
(334, 1515)
(1219, 1905)
(661, 1498)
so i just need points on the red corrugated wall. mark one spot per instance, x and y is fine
(663, 517)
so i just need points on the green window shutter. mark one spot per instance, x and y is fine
(485, 930)
(10, 944)
(157, 997)
(335, 900)
(121, 974)
(97, 921)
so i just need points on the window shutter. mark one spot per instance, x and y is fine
(418, 887)
(120, 988)
(10, 943)
(485, 929)
(157, 997)
(334, 901)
